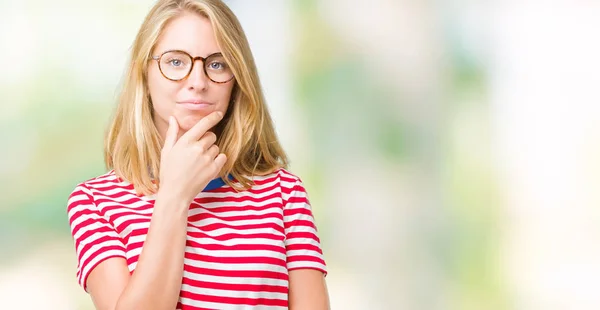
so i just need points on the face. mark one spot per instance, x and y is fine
(196, 96)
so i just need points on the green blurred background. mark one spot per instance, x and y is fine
(450, 148)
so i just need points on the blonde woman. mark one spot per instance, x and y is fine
(197, 210)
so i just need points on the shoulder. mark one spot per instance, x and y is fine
(281, 176)
(87, 195)
(289, 184)
(104, 182)
(288, 176)
(101, 181)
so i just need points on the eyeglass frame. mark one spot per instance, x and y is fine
(157, 58)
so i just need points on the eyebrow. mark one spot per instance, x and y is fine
(182, 50)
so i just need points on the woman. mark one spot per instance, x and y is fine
(224, 225)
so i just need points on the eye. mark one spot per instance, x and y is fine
(175, 62)
(215, 65)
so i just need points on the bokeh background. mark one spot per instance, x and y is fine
(450, 148)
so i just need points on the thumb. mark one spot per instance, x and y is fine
(171, 135)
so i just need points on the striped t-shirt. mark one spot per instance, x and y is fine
(240, 245)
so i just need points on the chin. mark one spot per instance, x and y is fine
(188, 120)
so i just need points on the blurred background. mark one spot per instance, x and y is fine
(450, 148)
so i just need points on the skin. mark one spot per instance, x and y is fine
(189, 160)
(194, 35)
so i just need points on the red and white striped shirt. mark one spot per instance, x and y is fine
(240, 245)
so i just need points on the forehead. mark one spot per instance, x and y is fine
(189, 32)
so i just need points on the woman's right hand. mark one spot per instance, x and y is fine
(189, 163)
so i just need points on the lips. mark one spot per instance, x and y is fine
(194, 104)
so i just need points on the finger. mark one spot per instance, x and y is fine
(220, 161)
(206, 123)
(171, 135)
(213, 151)
(208, 139)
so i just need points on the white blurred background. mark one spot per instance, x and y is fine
(450, 148)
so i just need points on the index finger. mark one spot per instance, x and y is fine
(202, 126)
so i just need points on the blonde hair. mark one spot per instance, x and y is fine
(246, 134)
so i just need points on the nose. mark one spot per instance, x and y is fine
(197, 78)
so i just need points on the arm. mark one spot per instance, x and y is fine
(305, 262)
(308, 290)
(187, 165)
(156, 282)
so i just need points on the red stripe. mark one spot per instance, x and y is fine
(215, 226)
(231, 301)
(93, 222)
(118, 194)
(304, 247)
(230, 199)
(109, 177)
(235, 260)
(237, 247)
(276, 177)
(242, 208)
(296, 199)
(142, 231)
(126, 204)
(113, 185)
(305, 258)
(302, 235)
(297, 211)
(235, 300)
(229, 236)
(78, 214)
(235, 273)
(236, 287)
(297, 223)
(209, 215)
(308, 267)
(126, 223)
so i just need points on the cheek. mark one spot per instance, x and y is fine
(160, 93)
(225, 98)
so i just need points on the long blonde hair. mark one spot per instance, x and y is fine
(246, 133)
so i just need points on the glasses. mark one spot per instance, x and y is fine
(177, 65)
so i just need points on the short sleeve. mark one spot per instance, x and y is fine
(303, 246)
(95, 238)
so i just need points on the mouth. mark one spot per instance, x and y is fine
(195, 104)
